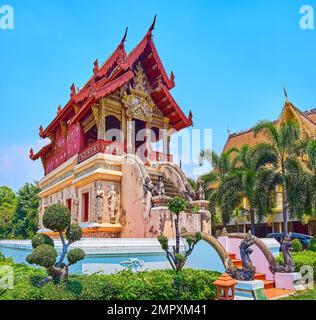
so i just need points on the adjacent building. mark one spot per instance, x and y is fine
(274, 223)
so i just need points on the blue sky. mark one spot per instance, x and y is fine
(230, 59)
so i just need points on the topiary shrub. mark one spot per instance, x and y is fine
(56, 218)
(43, 255)
(175, 258)
(296, 245)
(312, 245)
(40, 239)
(74, 233)
(75, 255)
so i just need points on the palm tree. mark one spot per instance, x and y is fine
(223, 164)
(251, 180)
(284, 141)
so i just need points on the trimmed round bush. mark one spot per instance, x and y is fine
(296, 245)
(40, 239)
(312, 245)
(57, 218)
(44, 256)
(74, 233)
(75, 255)
(177, 205)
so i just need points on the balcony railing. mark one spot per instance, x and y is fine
(116, 148)
(102, 146)
(160, 157)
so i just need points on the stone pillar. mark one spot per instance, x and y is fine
(168, 144)
(129, 132)
(99, 116)
(123, 127)
(166, 137)
(147, 140)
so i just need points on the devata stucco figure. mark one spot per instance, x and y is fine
(113, 205)
(248, 271)
(75, 210)
(99, 203)
(288, 266)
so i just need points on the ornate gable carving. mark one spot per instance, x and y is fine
(139, 103)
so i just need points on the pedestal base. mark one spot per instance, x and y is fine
(160, 201)
(250, 290)
(289, 281)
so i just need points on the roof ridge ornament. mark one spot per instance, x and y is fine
(96, 66)
(41, 130)
(152, 27)
(172, 77)
(125, 36)
(285, 92)
(73, 90)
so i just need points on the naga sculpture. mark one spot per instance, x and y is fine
(148, 185)
(288, 266)
(248, 271)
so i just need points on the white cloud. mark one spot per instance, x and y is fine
(16, 167)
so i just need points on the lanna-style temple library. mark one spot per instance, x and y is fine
(101, 161)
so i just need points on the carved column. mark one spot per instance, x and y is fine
(147, 139)
(123, 126)
(101, 122)
(166, 140)
(129, 135)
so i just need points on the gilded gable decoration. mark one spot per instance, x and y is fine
(139, 102)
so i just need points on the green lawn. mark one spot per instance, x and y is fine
(304, 295)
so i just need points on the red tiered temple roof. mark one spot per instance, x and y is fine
(116, 71)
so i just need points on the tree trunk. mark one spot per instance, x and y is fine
(64, 251)
(284, 201)
(252, 221)
(176, 224)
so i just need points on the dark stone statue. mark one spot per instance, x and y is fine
(288, 266)
(248, 271)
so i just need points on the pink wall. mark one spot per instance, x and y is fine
(64, 147)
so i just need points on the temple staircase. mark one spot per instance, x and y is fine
(269, 285)
(170, 188)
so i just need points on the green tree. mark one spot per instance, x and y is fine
(311, 153)
(284, 141)
(222, 166)
(176, 259)
(257, 182)
(25, 220)
(7, 209)
(58, 219)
